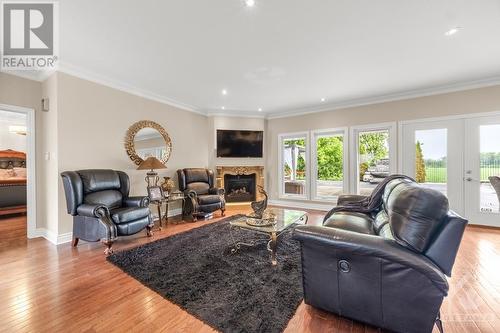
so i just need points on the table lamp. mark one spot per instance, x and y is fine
(151, 163)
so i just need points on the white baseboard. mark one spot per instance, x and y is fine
(52, 236)
(302, 205)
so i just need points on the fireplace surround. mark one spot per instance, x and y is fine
(236, 181)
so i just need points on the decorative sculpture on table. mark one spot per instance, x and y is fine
(167, 185)
(259, 206)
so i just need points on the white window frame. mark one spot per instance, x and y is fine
(315, 134)
(354, 157)
(281, 178)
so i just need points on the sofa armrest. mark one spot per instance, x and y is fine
(190, 194)
(348, 198)
(371, 246)
(217, 191)
(136, 202)
(96, 211)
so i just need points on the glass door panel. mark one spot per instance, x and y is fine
(373, 159)
(329, 157)
(431, 158)
(294, 166)
(489, 164)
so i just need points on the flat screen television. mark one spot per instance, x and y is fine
(231, 143)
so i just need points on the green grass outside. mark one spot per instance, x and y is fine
(438, 175)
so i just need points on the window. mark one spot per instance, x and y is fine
(328, 163)
(375, 155)
(294, 165)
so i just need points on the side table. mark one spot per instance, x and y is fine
(171, 199)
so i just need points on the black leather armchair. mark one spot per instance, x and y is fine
(101, 207)
(201, 194)
(387, 268)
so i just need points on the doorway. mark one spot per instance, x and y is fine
(17, 180)
(460, 158)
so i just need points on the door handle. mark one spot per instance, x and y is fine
(469, 179)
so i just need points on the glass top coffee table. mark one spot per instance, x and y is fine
(274, 223)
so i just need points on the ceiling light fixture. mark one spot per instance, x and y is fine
(260, 109)
(323, 99)
(223, 108)
(224, 92)
(452, 31)
(249, 3)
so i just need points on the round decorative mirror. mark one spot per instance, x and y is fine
(146, 138)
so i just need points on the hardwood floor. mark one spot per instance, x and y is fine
(12, 231)
(44, 288)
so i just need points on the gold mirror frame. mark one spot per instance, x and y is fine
(131, 133)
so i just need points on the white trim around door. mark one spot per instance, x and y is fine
(30, 165)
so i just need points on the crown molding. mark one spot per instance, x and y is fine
(122, 86)
(404, 95)
(228, 113)
(38, 76)
(283, 113)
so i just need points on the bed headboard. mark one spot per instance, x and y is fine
(12, 159)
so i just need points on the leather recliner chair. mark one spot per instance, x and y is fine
(101, 207)
(201, 194)
(386, 269)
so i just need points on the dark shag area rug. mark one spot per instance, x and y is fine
(239, 292)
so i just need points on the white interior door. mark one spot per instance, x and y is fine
(432, 153)
(482, 160)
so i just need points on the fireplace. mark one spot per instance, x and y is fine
(239, 188)
(241, 182)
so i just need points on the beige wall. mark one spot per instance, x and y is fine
(93, 119)
(48, 176)
(471, 101)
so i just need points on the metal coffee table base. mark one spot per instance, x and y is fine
(272, 241)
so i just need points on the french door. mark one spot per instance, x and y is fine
(482, 161)
(433, 155)
(457, 157)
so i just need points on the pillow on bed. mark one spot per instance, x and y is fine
(20, 172)
(7, 173)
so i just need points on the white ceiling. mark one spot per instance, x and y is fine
(282, 55)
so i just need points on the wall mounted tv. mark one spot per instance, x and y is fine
(232, 143)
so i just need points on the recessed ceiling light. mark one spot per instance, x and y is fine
(249, 3)
(223, 108)
(224, 92)
(452, 31)
(260, 109)
(323, 99)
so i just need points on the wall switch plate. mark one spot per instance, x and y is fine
(47, 156)
(45, 104)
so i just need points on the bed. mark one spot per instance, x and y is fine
(12, 182)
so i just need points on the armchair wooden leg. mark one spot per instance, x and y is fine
(108, 251)
(75, 241)
(439, 323)
(149, 231)
(223, 211)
